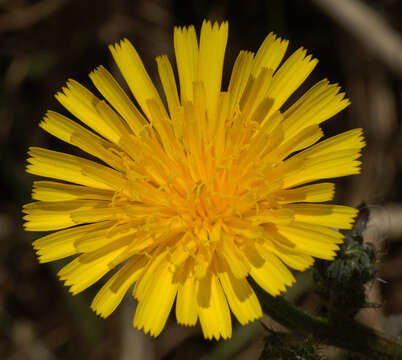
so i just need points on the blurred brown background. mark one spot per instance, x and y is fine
(42, 43)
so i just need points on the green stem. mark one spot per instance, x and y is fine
(344, 333)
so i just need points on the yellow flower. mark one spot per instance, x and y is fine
(189, 201)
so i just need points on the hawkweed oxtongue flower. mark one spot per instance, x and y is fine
(187, 201)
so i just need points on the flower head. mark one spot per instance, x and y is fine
(187, 201)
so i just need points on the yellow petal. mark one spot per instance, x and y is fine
(290, 76)
(315, 240)
(214, 314)
(46, 216)
(87, 269)
(241, 297)
(318, 104)
(273, 276)
(336, 216)
(304, 138)
(103, 236)
(333, 157)
(60, 248)
(213, 39)
(111, 294)
(270, 54)
(290, 256)
(143, 284)
(255, 93)
(153, 310)
(308, 193)
(65, 167)
(60, 244)
(186, 50)
(111, 90)
(239, 79)
(296, 261)
(168, 80)
(186, 303)
(235, 258)
(70, 132)
(348, 140)
(55, 191)
(80, 102)
(133, 70)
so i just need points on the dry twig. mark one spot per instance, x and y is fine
(368, 27)
(27, 16)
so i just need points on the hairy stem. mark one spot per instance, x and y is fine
(344, 333)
